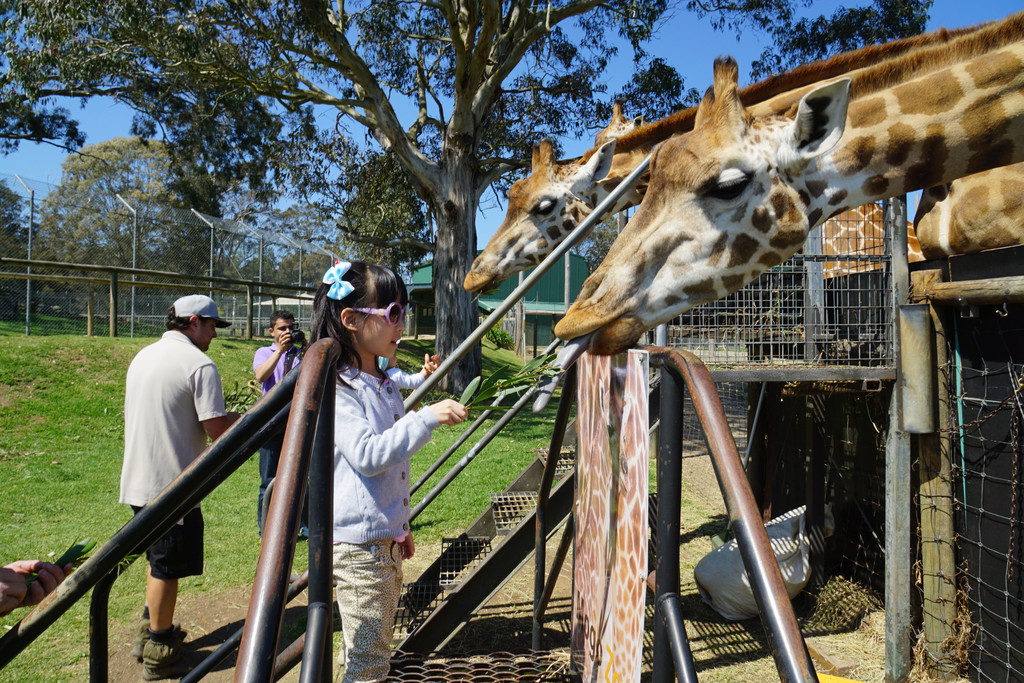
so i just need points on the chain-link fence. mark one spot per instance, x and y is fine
(986, 413)
(170, 251)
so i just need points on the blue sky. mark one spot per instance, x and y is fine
(102, 120)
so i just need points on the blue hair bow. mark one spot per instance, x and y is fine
(339, 288)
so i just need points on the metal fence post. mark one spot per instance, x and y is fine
(135, 239)
(28, 270)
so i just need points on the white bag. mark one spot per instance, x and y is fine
(722, 580)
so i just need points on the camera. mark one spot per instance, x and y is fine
(298, 337)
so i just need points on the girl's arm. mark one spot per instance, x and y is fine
(368, 452)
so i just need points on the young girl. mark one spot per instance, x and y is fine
(362, 307)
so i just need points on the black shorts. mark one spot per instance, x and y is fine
(179, 553)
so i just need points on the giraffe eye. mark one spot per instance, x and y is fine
(729, 185)
(544, 207)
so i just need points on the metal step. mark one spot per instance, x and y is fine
(509, 554)
(459, 556)
(511, 507)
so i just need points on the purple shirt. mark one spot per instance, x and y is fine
(266, 352)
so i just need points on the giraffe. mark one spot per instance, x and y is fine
(860, 231)
(740, 193)
(610, 556)
(547, 205)
(980, 211)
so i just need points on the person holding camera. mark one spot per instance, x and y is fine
(271, 364)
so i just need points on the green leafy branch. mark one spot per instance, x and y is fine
(507, 382)
(74, 556)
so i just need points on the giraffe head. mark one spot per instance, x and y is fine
(542, 209)
(739, 205)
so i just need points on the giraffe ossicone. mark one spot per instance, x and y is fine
(739, 193)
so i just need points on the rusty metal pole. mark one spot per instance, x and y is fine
(784, 638)
(266, 609)
(317, 653)
(565, 404)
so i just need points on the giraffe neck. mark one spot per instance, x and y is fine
(953, 122)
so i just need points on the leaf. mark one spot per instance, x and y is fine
(470, 390)
(78, 550)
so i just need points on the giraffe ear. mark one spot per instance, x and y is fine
(820, 121)
(596, 167)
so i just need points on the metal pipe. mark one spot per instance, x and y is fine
(671, 613)
(473, 452)
(666, 564)
(556, 565)
(538, 272)
(266, 609)
(99, 628)
(565, 404)
(227, 647)
(317, 654)
(784, 637)
(223, 457)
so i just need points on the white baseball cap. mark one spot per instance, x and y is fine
(201, 305)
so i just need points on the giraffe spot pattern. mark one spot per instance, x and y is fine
(861, 150)
(875, 185)
(837, 197)
(743, 249)
(901, 141)
(761, 219)
(816, 188)
(718, 249)
(935, 93)
(867, 113)
(733, 282)
(814, 217)
(997, 71)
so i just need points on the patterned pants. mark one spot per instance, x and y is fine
(368, 581)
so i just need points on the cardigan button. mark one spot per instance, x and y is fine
(405, 502)
(389, 390)
(403, 474)
(396, 416)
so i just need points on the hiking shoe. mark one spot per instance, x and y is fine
(141, 638)
(165, 660)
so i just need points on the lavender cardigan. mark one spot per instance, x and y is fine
(374, 439)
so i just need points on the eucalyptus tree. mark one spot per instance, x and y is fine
(454, 91)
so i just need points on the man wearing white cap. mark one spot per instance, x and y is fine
(173, 401)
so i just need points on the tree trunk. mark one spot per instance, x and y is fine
(456, 311)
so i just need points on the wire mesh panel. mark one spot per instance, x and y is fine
(988, 384)
(829, 306)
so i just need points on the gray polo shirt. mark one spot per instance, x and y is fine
(171, 388)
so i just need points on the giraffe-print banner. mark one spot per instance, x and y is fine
(611, 517)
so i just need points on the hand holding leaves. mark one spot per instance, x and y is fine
(507, 382)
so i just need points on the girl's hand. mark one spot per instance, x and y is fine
(430, 364)
(407, 546)
(449, 412)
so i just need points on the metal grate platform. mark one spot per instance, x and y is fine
(482, 667)
(510, 508)
(566, 461)
(460, 555)
(416, 602)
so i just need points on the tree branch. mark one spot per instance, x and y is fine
(348, 234)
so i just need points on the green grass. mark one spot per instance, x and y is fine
(61, 416)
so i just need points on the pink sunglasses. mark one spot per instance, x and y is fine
(394, 313)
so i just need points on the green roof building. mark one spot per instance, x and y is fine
(544, 304)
